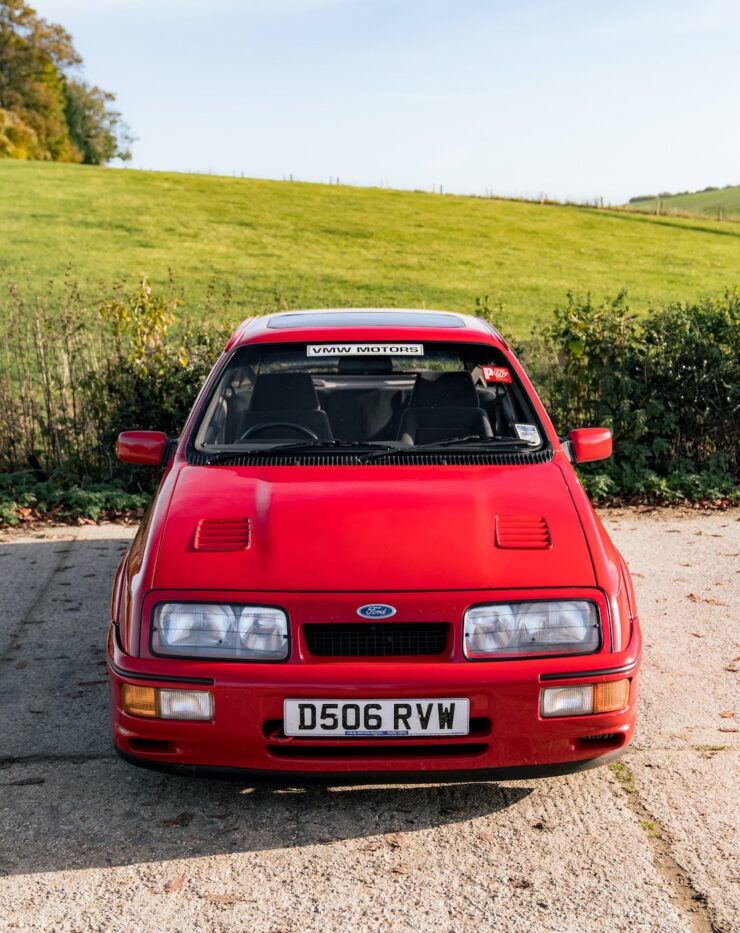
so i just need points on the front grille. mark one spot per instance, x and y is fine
(376, 639)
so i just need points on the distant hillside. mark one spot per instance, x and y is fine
(308, 245)
(717, 203)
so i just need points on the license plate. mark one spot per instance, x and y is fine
(377, 718)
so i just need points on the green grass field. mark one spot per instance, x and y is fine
(724, 203)
(320, 245)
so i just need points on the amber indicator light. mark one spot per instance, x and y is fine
(139, 701)
(611, 696)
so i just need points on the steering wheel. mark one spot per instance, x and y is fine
(264, 425)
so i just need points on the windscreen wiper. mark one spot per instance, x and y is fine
(335, 444)
(470, 442)
(223, 456)
(475, 440)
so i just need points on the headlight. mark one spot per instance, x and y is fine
(217, 630)
(501, 629)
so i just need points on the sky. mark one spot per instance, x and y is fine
(571, 99)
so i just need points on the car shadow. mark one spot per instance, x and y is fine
(67, 802)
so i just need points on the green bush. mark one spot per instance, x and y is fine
(668, 386)
(148, 380)
(73, 375)
(23, 496)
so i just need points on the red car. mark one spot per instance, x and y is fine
(370, 556)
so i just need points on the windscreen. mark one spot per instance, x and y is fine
(406, 394)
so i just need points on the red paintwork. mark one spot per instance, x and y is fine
(591, 444)
(325, 540)
(144, 447)
(315, 528)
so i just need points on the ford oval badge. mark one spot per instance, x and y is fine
(376, 611)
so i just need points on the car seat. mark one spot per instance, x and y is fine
(282, 404)
(443, 405)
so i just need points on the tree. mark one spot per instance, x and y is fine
(17, 139)
(33, 56)
(46, 113)
(96, 130)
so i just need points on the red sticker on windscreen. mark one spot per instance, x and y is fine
(496, 374)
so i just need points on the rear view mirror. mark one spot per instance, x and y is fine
(590, 444)
(145, 447)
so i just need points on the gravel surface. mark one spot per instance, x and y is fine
(89, 843)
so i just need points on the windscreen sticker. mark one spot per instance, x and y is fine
(496, 373)
(527, 432)
(365, 349)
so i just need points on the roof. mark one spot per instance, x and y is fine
(358, 323)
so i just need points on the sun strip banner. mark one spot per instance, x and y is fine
(365, 349)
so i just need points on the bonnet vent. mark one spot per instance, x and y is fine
(222, 534)
(522, 531)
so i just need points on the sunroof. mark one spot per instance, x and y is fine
(365, 319)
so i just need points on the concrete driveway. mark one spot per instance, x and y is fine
(89, 843)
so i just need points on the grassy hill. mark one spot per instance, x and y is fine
(717, 203)
(320, 245)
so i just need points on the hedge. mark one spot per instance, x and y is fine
(73, 376)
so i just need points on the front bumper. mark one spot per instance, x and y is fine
(508, 737)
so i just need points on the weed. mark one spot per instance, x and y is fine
(651, 828)
(624, 776)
